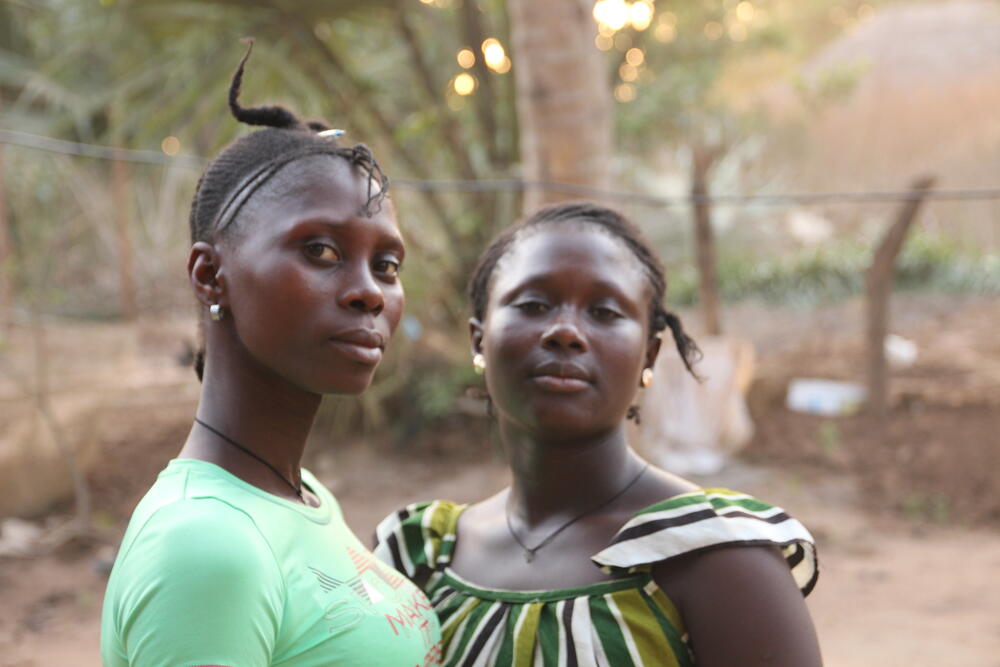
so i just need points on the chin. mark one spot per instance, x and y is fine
(568, 424)
(341, 385)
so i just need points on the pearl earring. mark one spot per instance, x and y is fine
(646, 381)
(479, 364)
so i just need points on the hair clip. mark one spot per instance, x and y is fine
(330, 133)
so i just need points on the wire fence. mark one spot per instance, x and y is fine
(53, 145)
(123, 258)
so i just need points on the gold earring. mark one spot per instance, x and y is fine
(646, 381)
(479, 364)
(216, 312)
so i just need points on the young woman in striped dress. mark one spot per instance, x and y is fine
(591, 556)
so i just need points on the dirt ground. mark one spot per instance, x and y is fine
(905, 514)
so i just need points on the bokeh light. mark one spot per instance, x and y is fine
(464, 84)
(745, 11)
(613, 13)
(493, 53)
(171, 145)
(624, 92)
(466, 58)
(635, 56)
(665, 33)
(713, 30)
(640, 14)
(628, 72)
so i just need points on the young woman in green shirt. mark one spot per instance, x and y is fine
(237, 556)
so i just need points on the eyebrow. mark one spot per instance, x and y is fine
(393, 241)
(541, 281)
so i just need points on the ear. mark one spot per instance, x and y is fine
(652, 350)
(205, 274)
(476, 335)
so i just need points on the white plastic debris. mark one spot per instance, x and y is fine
(824, 397)
(690, 426)
(18, 537)
(900, 352)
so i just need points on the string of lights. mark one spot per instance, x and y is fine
(50, 144)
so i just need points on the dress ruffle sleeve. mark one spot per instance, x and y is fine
(705, 519)
(419, 538)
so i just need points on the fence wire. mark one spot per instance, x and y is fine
(53, 145)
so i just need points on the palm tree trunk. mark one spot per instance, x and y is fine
(563, 97)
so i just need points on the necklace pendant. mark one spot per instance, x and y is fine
(529, 556)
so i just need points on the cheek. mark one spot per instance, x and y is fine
(395, 303)
(506, 338)
(619, 354)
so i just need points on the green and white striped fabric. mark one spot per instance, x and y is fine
(619, 623)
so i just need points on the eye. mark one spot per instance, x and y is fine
(604, 313)
(388, 267)
(321, 251)
(532, 307)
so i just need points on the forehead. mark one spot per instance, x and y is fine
(325, 185)
(590, 254)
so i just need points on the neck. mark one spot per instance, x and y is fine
(262, 412)
(548, 476)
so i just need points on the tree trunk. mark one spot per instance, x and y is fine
(125, 273)
(878, 286)
(563, 97)
(81, 489)
(704, 238)
(6, 256)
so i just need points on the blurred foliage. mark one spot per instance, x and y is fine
(704, 66)
(131, 73)
(830, 85)
(836, 270)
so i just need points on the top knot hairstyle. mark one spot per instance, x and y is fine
(609, 221)
(249, 162)
(246, 164)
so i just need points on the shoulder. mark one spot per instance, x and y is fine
(703, 520)
(740, 606)
(205, 538)
(418, 536)
(191, 568)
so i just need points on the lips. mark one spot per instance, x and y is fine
(561, 377)
(362, 345)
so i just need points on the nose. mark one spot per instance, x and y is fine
(363, 294)
(564, 334)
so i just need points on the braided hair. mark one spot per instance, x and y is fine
(609, 221)
(249, 162)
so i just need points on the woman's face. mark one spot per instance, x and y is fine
(311, 284)
(566, 333)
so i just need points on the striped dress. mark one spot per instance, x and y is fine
(618, 623)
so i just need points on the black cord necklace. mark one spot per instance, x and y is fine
(296, 487)
(529, 552)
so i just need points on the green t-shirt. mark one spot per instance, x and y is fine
(214, 571)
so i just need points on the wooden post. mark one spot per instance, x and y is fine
(6, 256)
(126, 279)
(878, 287)
(43, 402)
(704, 238)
